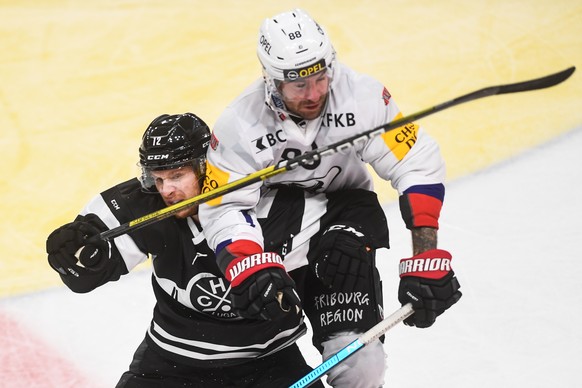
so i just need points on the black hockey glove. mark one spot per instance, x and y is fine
(429, 283)
(67, 251)
(261, 288)
(345, 257)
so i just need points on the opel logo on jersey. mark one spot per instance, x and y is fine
(294, 74)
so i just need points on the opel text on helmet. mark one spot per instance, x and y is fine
(173, 141)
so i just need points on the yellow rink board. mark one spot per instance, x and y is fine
(80, 81)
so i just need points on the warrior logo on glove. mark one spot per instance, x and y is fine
(252, 263)
(429, 283)
(433, 268)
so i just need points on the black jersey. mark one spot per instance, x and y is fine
(193, 322)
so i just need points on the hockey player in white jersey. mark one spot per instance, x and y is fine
(306, 100)
(195, 339)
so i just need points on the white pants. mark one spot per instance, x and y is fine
(364, 369)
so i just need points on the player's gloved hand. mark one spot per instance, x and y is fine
(261, 288)
(345, 257)
(429, 283)
(68, 250)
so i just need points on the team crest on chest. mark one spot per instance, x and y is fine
(209, 294)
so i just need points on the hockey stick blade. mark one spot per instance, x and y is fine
(525, 86)
(311, 156)
(540, 83)
(373, 334)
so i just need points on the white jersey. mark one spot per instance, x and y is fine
(249, 136)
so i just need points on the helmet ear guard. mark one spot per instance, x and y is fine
(173, 141)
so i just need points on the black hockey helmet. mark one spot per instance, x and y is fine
(173, 141)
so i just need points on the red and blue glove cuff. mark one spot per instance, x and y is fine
(420, 206)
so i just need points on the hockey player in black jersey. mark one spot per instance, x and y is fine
(195, 339)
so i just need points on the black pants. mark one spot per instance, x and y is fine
(330, 310)
(149, 370)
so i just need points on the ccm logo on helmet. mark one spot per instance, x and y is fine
(305, 71)
(158, 157)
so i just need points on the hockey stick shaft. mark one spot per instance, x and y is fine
(309, 157)
(371, 335)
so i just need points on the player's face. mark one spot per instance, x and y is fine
(177, 185)
(306, 97)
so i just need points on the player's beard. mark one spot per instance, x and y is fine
(307, 109)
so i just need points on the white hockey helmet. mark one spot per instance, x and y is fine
(291, 46)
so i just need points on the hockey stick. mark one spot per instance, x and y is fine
(310, 157)
(373, 334)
